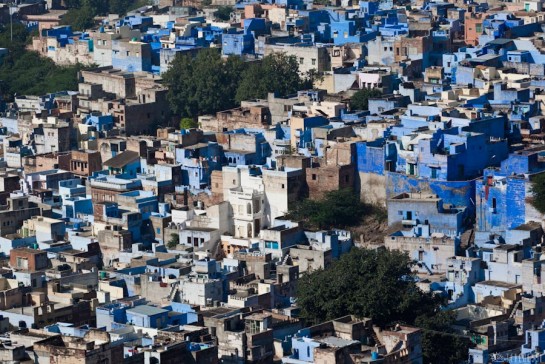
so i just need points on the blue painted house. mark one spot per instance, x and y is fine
(147, 316)
(99, 122)
(124, 165)
(197, 163)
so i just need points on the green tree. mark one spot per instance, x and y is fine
(25, 72)
(73, 4)
(188, 123)
(440, 344)
(80, 18)
(121, 7)
(310, 78)
(204, 84)
(360, 100)
(538, 192)
(339, 208)
(378, 284)
(173, 241)
(21, 38)
(223, 13)
(277, 72)
(32, 74)
(81, 13)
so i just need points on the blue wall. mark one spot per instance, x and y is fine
(370, 159)
(457, 193)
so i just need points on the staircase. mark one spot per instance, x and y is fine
(427, 268)
(516, 306)
(375, 335)
(173, 291)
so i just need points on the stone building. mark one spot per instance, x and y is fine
(17, 210)
(243, 117)
(309, 57)
(94, 348)
(137, 101)
(322, 179)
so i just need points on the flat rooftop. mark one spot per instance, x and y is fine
(147, 310)
(498, 284)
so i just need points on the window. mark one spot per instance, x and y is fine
(283, 186)
(301, 60)
(314, 176)
(271, 245)
(385, 49)
(22, 263)
(158, 231)
(314, 61)
(128, 54)
(479, 28)
(345, 35)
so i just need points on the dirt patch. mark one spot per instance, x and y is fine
(372, 230)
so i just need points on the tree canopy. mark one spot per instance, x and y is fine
(440, 344)
(81, 13)
(277, 73)
(188, 123)
(224, 13)
(339, 208)
(206, 83)
(25, 72)
(379, 284)
(366, 283)
(360, 100)
(203, 84)
(538, 191)
(173, 241)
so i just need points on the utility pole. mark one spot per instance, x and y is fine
(11, 22)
